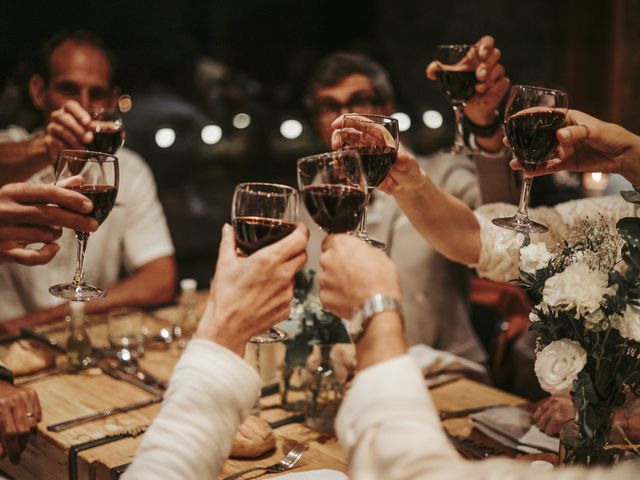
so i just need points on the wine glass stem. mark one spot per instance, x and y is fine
(362, 228)
(256, 406)
(525, 191)
(458, 142)
(82, 238)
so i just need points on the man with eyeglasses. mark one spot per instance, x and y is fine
(435, 291)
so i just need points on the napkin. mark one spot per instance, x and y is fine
(314, 475)
(514, 428)
(438, 366)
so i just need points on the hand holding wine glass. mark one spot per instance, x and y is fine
(334, 189)
(96, 177)
(532, 118)
(376, 138)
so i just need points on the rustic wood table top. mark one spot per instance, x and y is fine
(65, 396)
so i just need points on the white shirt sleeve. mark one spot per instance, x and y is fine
(209, 396)
(147, 236)
(389, 430)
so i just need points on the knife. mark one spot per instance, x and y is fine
(287, 421)
(118, 375)
(448, 414)
(59, 427)
(26, 333)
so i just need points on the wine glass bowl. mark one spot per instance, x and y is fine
(262, 214)
(376, 137)
(107, 126)
(334, 189)
(533, 116)
(96, 176)
(457, 79)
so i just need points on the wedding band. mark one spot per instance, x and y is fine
(587, 132)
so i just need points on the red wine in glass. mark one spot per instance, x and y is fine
(107, 138)
(335, 208)
(253, 233)
(532, 135)
(377, 161)
(103, 198)
(458, 85)
(533, 116)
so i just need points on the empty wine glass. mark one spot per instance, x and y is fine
(107, 126)
(96, 176)
(532, 117)
(457, 79)
(262, 214)
(376, 138)
(334, 189)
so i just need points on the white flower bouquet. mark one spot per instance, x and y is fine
(587, 317)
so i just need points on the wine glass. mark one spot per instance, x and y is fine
(376, 140)
(457, 80)
(96, 176)
(262, 214)
(107, 126)
(532, 117)
(334, 189)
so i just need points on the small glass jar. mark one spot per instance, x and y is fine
(324, 394)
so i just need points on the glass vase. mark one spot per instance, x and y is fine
(324, 394)
(591, 441)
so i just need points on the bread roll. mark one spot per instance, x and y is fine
(25, 357)
(253, 438)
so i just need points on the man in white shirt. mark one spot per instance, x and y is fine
(74, 77)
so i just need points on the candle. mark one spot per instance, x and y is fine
(594, 183)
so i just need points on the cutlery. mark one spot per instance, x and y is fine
(125, 377)
(59, 427)
(287, 421)
(449, 414)
(287, 462)
(26, 333)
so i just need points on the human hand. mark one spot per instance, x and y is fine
(68, 128)
(249, 295)
(552, 413)
(19, 415)
(492, 82)
(31, 213)
(352, 273)
(587, 144)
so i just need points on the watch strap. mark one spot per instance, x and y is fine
(378, 303)
(483, 131)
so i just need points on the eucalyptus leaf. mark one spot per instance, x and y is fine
(631, 196)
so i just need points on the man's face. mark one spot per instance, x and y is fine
(354, 93)
(79, 72)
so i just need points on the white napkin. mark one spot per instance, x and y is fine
(437, 365)
(314, 475)
(513, 427)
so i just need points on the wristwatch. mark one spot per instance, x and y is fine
(376, 304)
(483, 131)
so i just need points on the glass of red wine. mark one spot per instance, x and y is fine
(532, 117)
(457, 80)
(107, 126)
(96, 176)
(334, 189)
(376, 138)
(262, 214)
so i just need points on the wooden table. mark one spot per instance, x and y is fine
(67, 396)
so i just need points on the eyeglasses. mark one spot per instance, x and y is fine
(358, 103)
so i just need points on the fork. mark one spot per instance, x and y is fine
(287, 462)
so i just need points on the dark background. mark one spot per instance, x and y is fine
(191, 63)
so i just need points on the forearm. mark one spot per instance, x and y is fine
(446, 222)
(20, 160)
(210, 394)
(152, 284)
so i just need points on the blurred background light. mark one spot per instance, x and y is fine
(241, 120)
(211, 134)
(165, 137)
(291, 129)
(432, 119)
(404, 121)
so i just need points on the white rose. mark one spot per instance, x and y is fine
(594, 318)
(533, 257)
(629, 325)
(541, 307)
(533, 317)
(577, 286)
(558, 365)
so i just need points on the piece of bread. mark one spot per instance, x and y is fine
(25, 357)
(253, 438)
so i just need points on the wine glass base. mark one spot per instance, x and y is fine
(77, 293)
(273, 335)
(520, 223)
(374, 243)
